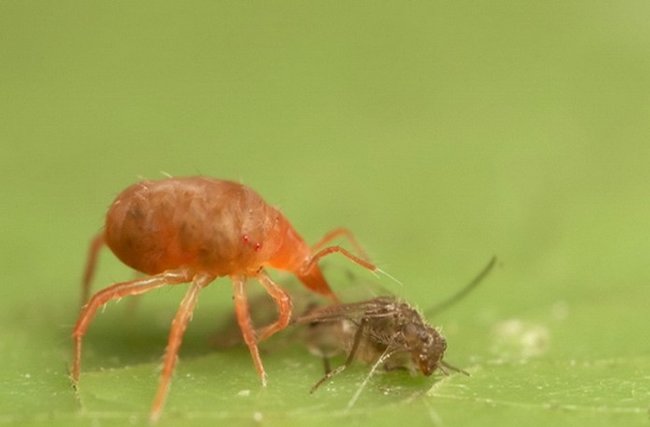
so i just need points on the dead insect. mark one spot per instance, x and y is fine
(383, 331)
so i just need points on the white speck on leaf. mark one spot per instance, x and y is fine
(516, 339)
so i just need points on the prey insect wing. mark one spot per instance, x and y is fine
(374, 308)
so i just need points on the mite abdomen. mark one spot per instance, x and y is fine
(214, 226)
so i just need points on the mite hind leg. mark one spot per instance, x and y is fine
(179, 325)
(117, 291)
(283, 302)
(91, 264)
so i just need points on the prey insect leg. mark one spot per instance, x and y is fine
(355, 346)
(119, 290)
(327, 366)
(179, 325)
(384, 357)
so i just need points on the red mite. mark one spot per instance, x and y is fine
(181, 230)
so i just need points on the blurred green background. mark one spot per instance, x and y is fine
(442, 133)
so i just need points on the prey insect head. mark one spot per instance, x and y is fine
(428, 350)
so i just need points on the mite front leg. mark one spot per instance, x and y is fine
(319, 251)
(282, 300)
(337, 249)
(341, 231)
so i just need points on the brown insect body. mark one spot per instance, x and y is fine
(383, 331)
(369, 330)
(196, 229)
(400, 328)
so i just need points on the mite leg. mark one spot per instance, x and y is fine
(179, 324)
(337, 249)
(341, 231)
(245, 324)
(119, 290)
(282, 300)
(91, 264)
(132, 303)
(355, 346)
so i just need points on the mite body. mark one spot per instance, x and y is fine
(196, 229)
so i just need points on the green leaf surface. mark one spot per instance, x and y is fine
(441, 134)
